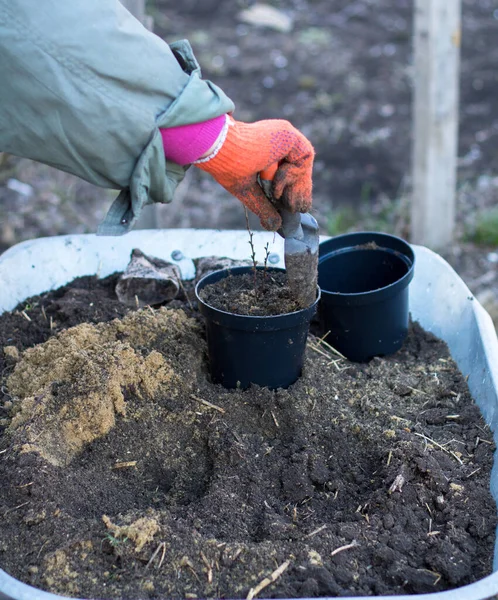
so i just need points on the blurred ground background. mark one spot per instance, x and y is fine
(341, 71)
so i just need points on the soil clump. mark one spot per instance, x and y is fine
(126, 473)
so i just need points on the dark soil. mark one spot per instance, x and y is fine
(258, 293)
(360, 479)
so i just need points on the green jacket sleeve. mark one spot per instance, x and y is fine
(84, 87)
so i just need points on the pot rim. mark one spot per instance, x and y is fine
(377, 294)
(223, 273)
(356, 238)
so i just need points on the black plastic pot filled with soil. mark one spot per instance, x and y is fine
(364, 279)
(256, 332)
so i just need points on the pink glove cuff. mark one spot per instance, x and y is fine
(186, 143)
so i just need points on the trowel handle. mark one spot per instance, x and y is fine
(291, 222)
(265, 179)
(269, 173)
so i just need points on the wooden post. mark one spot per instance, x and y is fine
(435, 121)
(149, 219)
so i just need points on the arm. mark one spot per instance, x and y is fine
(85, 88)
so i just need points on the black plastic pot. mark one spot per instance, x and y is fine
(364, 280)
(267, 351)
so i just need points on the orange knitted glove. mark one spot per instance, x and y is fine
(250, 148)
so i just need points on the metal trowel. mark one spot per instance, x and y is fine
(300, 232)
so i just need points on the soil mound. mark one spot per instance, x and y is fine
(72, 388)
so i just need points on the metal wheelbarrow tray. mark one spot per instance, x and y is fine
(439, 300)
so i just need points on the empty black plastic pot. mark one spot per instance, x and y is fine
(364, 281)
(267, 351)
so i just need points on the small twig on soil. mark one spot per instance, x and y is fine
(15, 508)
(182, 287)
(473, 473)
(416, 390)
(314, 347)
(208, 404)
(436, 575)
(313, 533)
(274, 419)
(186, 562)
(44, 313)
(125, 465)
(237, 438)
(162, 556)
(397, 484)
(3, 451)
(336, 363)
(450, 452)
(238, 552)
(353, 544)
(399, 419)
(327, 355)
(227, 556)
(162, 546)
(454, 441)
(137, 302)
(484, 429)
(209, 567)
(389, 457)
(51, 323)
(41, 548)
(268, 580)
(485, 441)
(25, 315)
(321, 341)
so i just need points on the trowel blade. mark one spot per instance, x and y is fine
(300, 232)
(301, 255)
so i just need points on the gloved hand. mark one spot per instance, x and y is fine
(250, 148)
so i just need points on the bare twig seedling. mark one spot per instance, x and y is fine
(267, 254)
(251, 243)
(268, 580)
